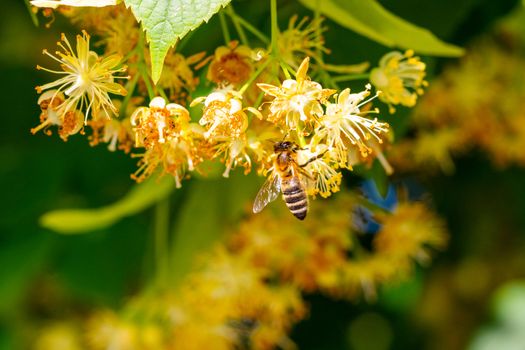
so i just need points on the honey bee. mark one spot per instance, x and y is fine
(287, 176)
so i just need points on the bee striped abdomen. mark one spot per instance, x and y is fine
(295, 198)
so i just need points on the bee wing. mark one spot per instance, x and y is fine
(268, 192)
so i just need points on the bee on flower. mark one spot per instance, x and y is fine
(400, 77)
(86, 83)
(297, 102)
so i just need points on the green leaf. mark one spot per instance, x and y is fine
(165, 21)
(73, 221)
(370, 19)
(20, 261)
(380, 178)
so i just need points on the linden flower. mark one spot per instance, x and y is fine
(231, 65)
(177, 156)
(87, 79)
(69, 123)
(156, 123)
(113, 132)
(303, 38)
(223, 114)
(297, 102)
(409, 232)
(169, 138)
(58, 335)
(344, 125)
(239, 151)
(117, 133)
(106, 331)
(400, 78)
(326, 180)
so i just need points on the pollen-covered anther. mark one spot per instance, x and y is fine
(223, 115)
(49, 103)
(158, 122)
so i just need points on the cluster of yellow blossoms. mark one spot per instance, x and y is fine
(463, 110)
(241, 116)
(247, 292)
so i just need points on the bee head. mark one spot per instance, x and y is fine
(282, 146)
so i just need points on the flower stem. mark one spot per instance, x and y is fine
(285, 70)
(130, 87)
(275, 27)
(317, 19)
(254, 76)
(251, 28)
(237, 25)
(224, 27)
(349, 77)
(143, 70)
(162, 241)
(34, 18)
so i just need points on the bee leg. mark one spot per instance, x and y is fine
(312, 159)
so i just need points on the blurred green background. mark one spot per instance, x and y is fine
(471, 296)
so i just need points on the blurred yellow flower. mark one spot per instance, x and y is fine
(301, 39)
(409, 232)
(231, 65)
(59, 335)
(178, 74)
(400, 78)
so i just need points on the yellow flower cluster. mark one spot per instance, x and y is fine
(248, 292)
(253, 104)
(463, 109)
(314, 256)
(299, 108)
